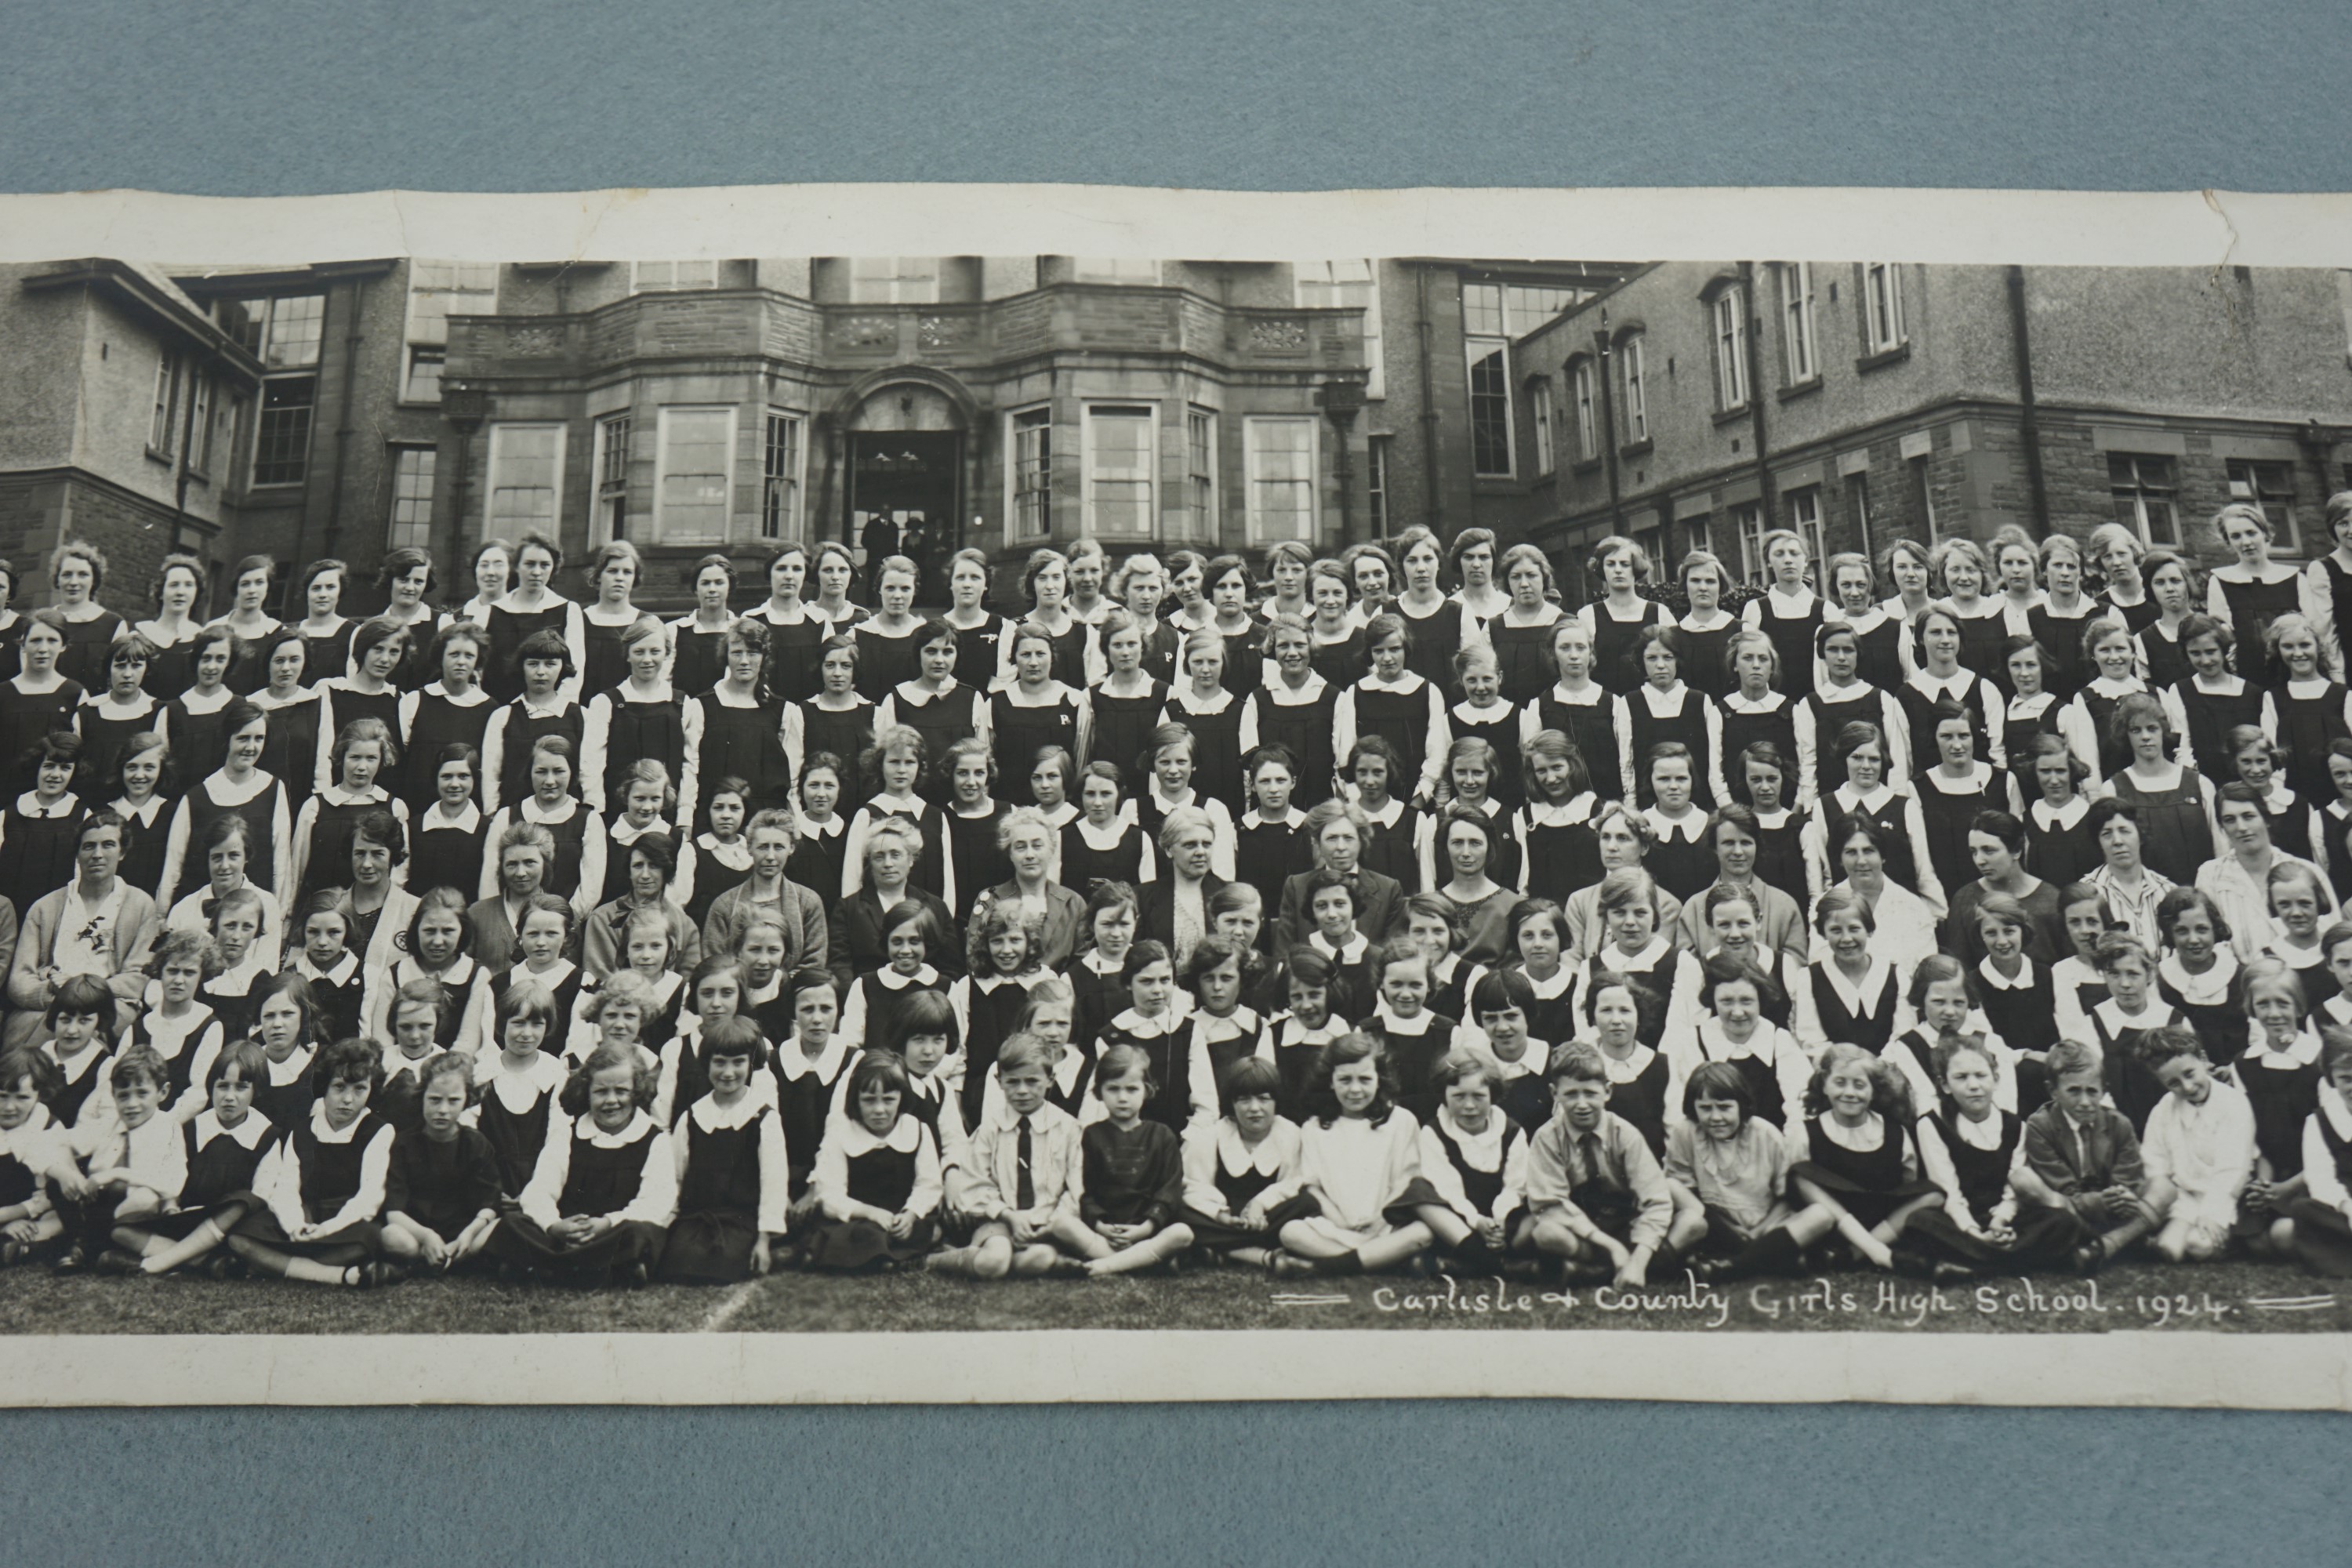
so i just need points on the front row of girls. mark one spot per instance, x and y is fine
(1347, 1107)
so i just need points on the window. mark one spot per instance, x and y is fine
(1280, 461)
(200, 456)
(1114, 269)
(284, 334)
(1653, 542)
(1376, 484)
(1345, 285)
(780, 479)
(1882, 305)
(1804, 364)
(2270, 489)
(1730, 308)
(611, 517)
(1201, 470)
(1805, 517)
(690, 475)
(1637, 391)
(164, 424)
(1747, 523)
(437, 291)
(1588, 416)
(1923, 491)
(894, 280)
(526, 479)
(412, 500)
(1702, 536)
(281, 443)
(1525, 308)
(671, 277)
(1490, 408)
(1033, 473)
(1857, 511)
(2145, 487)
(1540, 393)
(1122, 456)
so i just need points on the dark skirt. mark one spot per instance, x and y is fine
(518, 1240)
(356, 1242)
(850, 1245)
(1868, 1205)
(2046, 1239)
(712, 1247)
(2322, 1238)
(1219, 1236)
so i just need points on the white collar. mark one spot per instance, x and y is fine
(1192, 703)
(1410, 1029)
(1987, 974)
(906, 1136)
(1388, 816)
(2034, 707)
(394, 1060)
(1635, 1064)
(792, 1064)
(1176, 1016)
(1105, 836)
(1484, 1150)
(1574, 812)
(639, 1126)
(1770, 703)
(1853, 998)
(30, 803)
(340, 974)
(529, 809)
(2300, 1052)
(1723, 617)
(326, 1132)
(1293, 821)
(1955, 685)
(923, 979)
(747, 701)
(2206, 990)
(1980, 774)
(144, 815)
(1641, 962)
(1407, 682)
(1687, 828)
(1241, 1021)
(246, 1135)
(620, 830)
(1593, 695)
(1719, 1048)
(831, 827)
(139, 707)
(339, 793)
(2046, 815)
(1282, 696)
(1656, 701)
(1266, 1157)
(468, 818)
(1351, 952)
(711, 1117)
(1294, 1033)
(915, 694)
(475, 696)
(2158, 1015)
(625, 693)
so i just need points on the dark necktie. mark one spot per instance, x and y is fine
(1588, 1151)
(1024, 1188)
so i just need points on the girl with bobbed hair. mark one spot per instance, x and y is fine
(1616, 618)
(532, 604)
(77, 575)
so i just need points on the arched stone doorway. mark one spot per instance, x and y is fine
(904, 444)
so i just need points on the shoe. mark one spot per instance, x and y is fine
(1289, 1266)
(13, 1252)
(73, 1260)
(639, 1275)
(118, 1262)
(1949, 1273)
(2089, 1259)
(1066, 1267)
(221, 1265)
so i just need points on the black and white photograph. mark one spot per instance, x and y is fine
(856, 825)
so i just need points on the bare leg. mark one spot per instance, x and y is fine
(1395, 1248)
(1154, 1248)
(269, 1260)
(1443, 1224)
(1075, 1235)
(1036, 1260)
(196, 1243)
(1307, 1242)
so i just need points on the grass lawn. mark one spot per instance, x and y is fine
(2236, 1296)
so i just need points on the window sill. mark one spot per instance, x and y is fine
(1736, 412)
(1795, 390)
(433, 404)
(1588, 466)
(278, 484)
(155, 457)
(1641, 449)
(1880, 359)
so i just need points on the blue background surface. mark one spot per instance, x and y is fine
(215, 97)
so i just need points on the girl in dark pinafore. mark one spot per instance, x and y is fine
(530, 606)
(639, 720)
(319, 1191)
(837, 722)
(452, 710)
(1294, 711)
(733, 1177)
(1854, 1162)
(599, 1205)
(936, 702)
(1401, 708)
(878, 1180)
(1612, 621)
(543, 710)
(41, 829)
(107, 722)
(2314, 711)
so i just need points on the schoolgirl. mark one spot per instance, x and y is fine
(528, 607)
(641, 718)
(935, 701)
(1707, 628)
(1295, 710)
(542, 709)
(1203, 703)
(452, 711)
(699, 638)
(1613, 621)
(1663, 710)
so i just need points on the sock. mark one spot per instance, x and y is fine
(1345, 1263)
(1774, 1252)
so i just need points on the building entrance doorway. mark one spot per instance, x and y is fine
(903, 498)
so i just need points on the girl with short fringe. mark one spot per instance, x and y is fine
(543, 708)
(2315, 710)
(1612, 621)
(1967, 1147)
(1842, 696)
(2214, 699)
(1293, 709)
(144, 783)
(734, 1174)
(1400, 707)
(2200, 970)
(739, 728)
(2060, 847)
(226, 1138)
(1224, 1029)
(1334, 632)
(1731, 1029)
(452, 832)
(319, 1193)
(911, 934)
(41, 829)
(1557, 840)
(1759, 711)
(519, 1077)
(1202, 702)
(1273, 842)
(528, 607)
(1129, 705)
(1003, 961)
(896, 763)
(945, 707)
(1104, 843)
(2163, 662)
(1360, 1160)
(1157, 1023)
(1475, 1159)
(1736, 1166)
(176, 1026)
(1943, 997)
(1663, 710)
(378, 649)
(1241, 1171)
(819, 859)
(1132, 1186)
(890, 641)
(364, 755)
(437, 946)
(1853, 1160)
(877, 1179)
(1036, 710)
(699, 638)
(452, 710)
(2133, 1010)
(2280, 1073)
(641, 718)
(1391, 826)
(1788, 611)
(599, 1203)
(1706, 628)
(106, 721)
(1109, 929)
(1472, 770)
